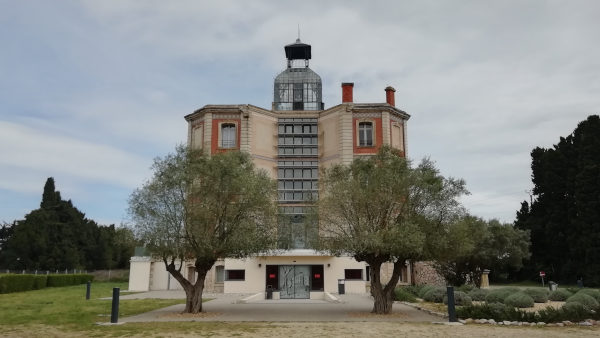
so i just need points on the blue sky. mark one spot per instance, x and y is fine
(92, 91)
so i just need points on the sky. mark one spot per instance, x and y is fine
(92, 91)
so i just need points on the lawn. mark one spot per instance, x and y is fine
(68, 306)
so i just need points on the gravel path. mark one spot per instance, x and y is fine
(323, 329)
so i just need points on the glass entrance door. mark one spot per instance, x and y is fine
(294, 281)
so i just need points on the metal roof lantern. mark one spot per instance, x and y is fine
(298, 87)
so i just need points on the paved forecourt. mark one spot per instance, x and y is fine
(283, 311)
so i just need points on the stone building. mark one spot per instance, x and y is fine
(291, 141)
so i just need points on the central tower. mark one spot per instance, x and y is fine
(298, 87)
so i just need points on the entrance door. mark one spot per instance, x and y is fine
(294, 281)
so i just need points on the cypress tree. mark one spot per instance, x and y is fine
(49, 197)
(564, 219)
(59, 236)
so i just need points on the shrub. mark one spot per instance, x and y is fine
(573, 306)
(538, 295)
(478, 294)
(460, 299)
(520, 300)
(583, 299)
(426, 289)
(435, 295)
(497, 296)
(590, 292)
(465, 288)
(511, 289)
(559, 295)
(574, 312)
(403, 295)
(413, 289)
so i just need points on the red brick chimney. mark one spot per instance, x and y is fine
(389, 96)
(347, 88)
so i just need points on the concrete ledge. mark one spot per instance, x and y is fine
(109, 323)
(254, 298)
(331, 298)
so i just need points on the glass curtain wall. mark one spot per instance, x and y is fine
(297, 176)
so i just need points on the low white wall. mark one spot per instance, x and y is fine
(139, 275)
(330, 298)
(317, 295)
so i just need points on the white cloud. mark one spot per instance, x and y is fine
(26, 150)
(485, 82)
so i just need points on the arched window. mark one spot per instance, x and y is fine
(365, 134)
(228, 135)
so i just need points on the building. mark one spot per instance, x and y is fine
(292, 140)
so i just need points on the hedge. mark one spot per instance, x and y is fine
(16, 283)
(10, 283)
(66, 280)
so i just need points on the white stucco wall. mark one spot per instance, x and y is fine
(255, 276)
(139, 275)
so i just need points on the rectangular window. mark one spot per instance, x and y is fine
(353, 274)
(220, 272)
(228, 135)
(365, 134)
(236, 275)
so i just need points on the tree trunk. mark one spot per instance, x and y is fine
(382, 297)
(193, 292)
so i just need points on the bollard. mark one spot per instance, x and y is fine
(114, 315)
(451, 305)
(89, 288)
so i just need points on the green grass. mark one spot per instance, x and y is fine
(68, 306)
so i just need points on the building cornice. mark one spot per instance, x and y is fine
(245, 109)
(371, 107)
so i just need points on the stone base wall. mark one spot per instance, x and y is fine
(426, 274)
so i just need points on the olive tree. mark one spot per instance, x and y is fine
(380, 209)
(203, 208)
(495, 245)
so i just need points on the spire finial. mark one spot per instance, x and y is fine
(298, 31)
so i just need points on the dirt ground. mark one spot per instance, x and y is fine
(308, 329)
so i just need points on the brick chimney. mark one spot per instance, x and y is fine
(347, 88)
(389, 96)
